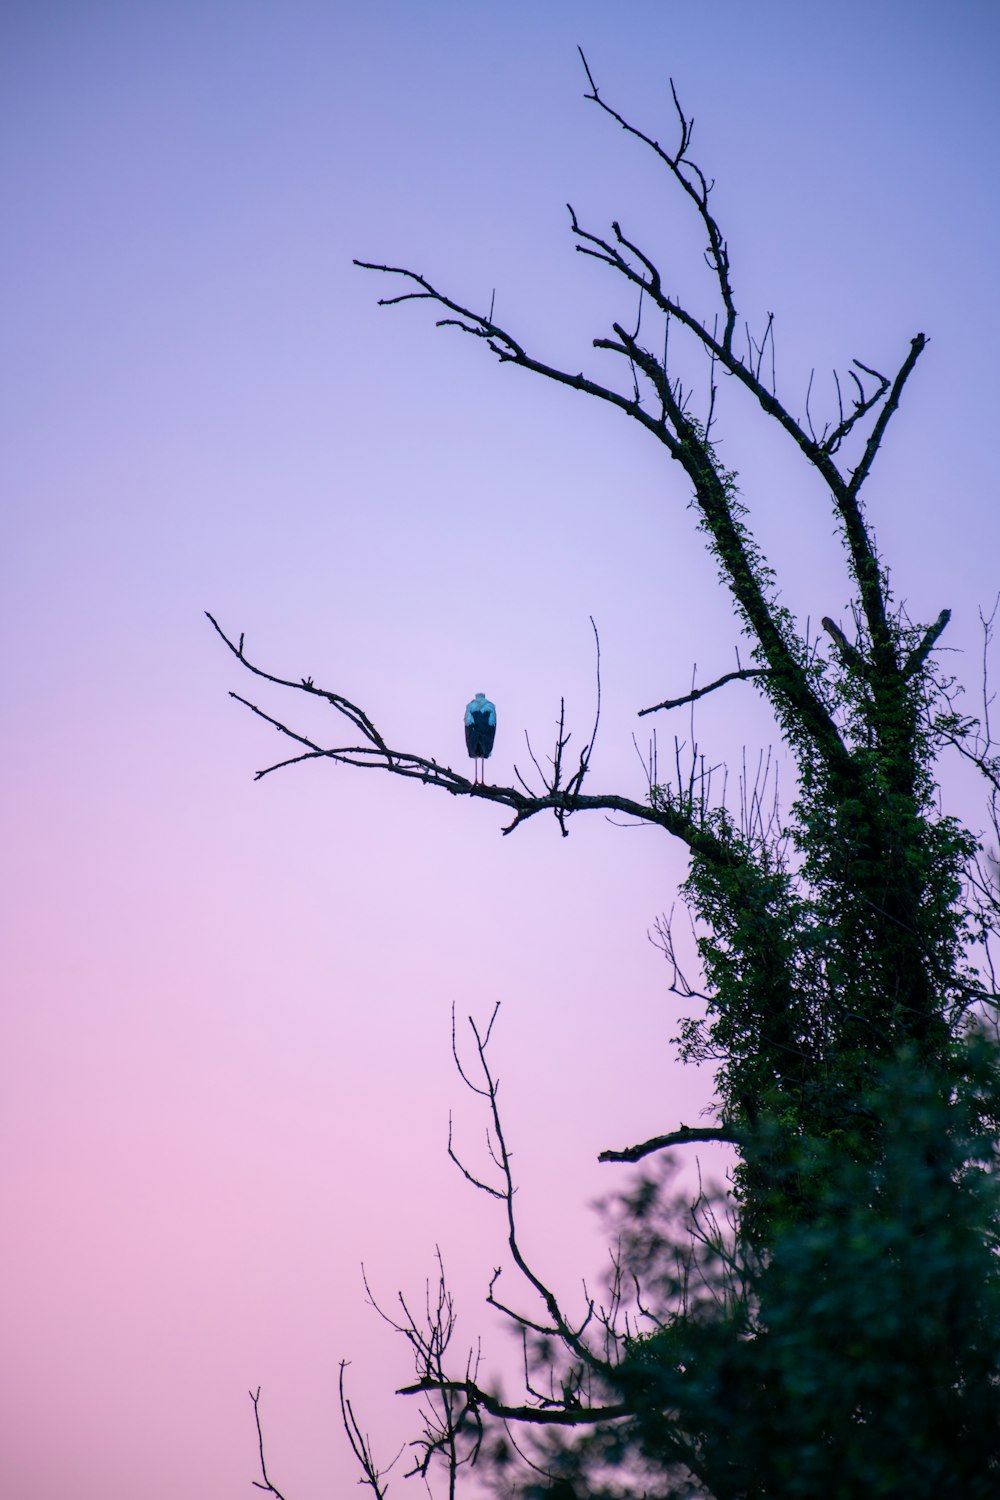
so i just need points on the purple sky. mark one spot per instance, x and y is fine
(226, 1071)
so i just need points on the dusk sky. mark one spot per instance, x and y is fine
(226, 1020)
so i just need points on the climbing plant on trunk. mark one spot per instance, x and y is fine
(844, 946)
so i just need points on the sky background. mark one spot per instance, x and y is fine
(225, 1063)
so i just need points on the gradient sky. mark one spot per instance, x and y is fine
(226, 1071)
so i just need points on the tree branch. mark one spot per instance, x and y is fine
(686, 445)
(862, 406)
(560, 1327)
(361, 1443)
(692, 180)
(919, 655)
(850, 655)
(682, 1137)
(562, 801)
(351, 712)
(504, 345)
(548, 1416)
(861, 472)
(743, 675)
(817, 451)
(267, 1486)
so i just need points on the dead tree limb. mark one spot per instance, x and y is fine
(264, 1483)
(560, 794)
(581, 1369)
(686, 1135)
(745, 674)
(360, 1443)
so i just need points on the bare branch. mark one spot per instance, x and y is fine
(681, 1137)
(850, 654)
(664, 941)
(361, 1443)
(560, 800)
(576, 781)
(350, 710)
(504, 345)
(477, 1182)
(686, 445)
(266, 1485)
(447, 1422)
(919, 655)
(743, 675)
(546, 1416)
(569, 1336)
(862, 406)
(861, 472)
(690, 177)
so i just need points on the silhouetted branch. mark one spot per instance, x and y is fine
(684, 1136)
(351, 712)
(266, 1485)
(361, 1443)
(562, 801)
(917, 657)
(850, 655)
(453, 1420)
(452, 1429)
(545, 1416)
(487, 1089)
(692, 180)
(576, 781)
(664, 941)
(917, 346)
(745, 674)
(503, 344)
(862, 406)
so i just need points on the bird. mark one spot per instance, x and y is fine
(480, 730)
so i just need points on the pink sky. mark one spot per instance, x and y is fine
(226, 1072)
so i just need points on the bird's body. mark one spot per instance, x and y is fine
(480, 729)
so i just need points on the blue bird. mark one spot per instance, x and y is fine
(480, 730)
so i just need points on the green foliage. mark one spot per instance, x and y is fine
(875, 1367)
(859, 1356)
(838, 936)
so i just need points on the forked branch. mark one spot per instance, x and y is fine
(360, 1443)
(453, 1415)
(692, 180)
(561, 792)
(487, 1088)
(264, 1483)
